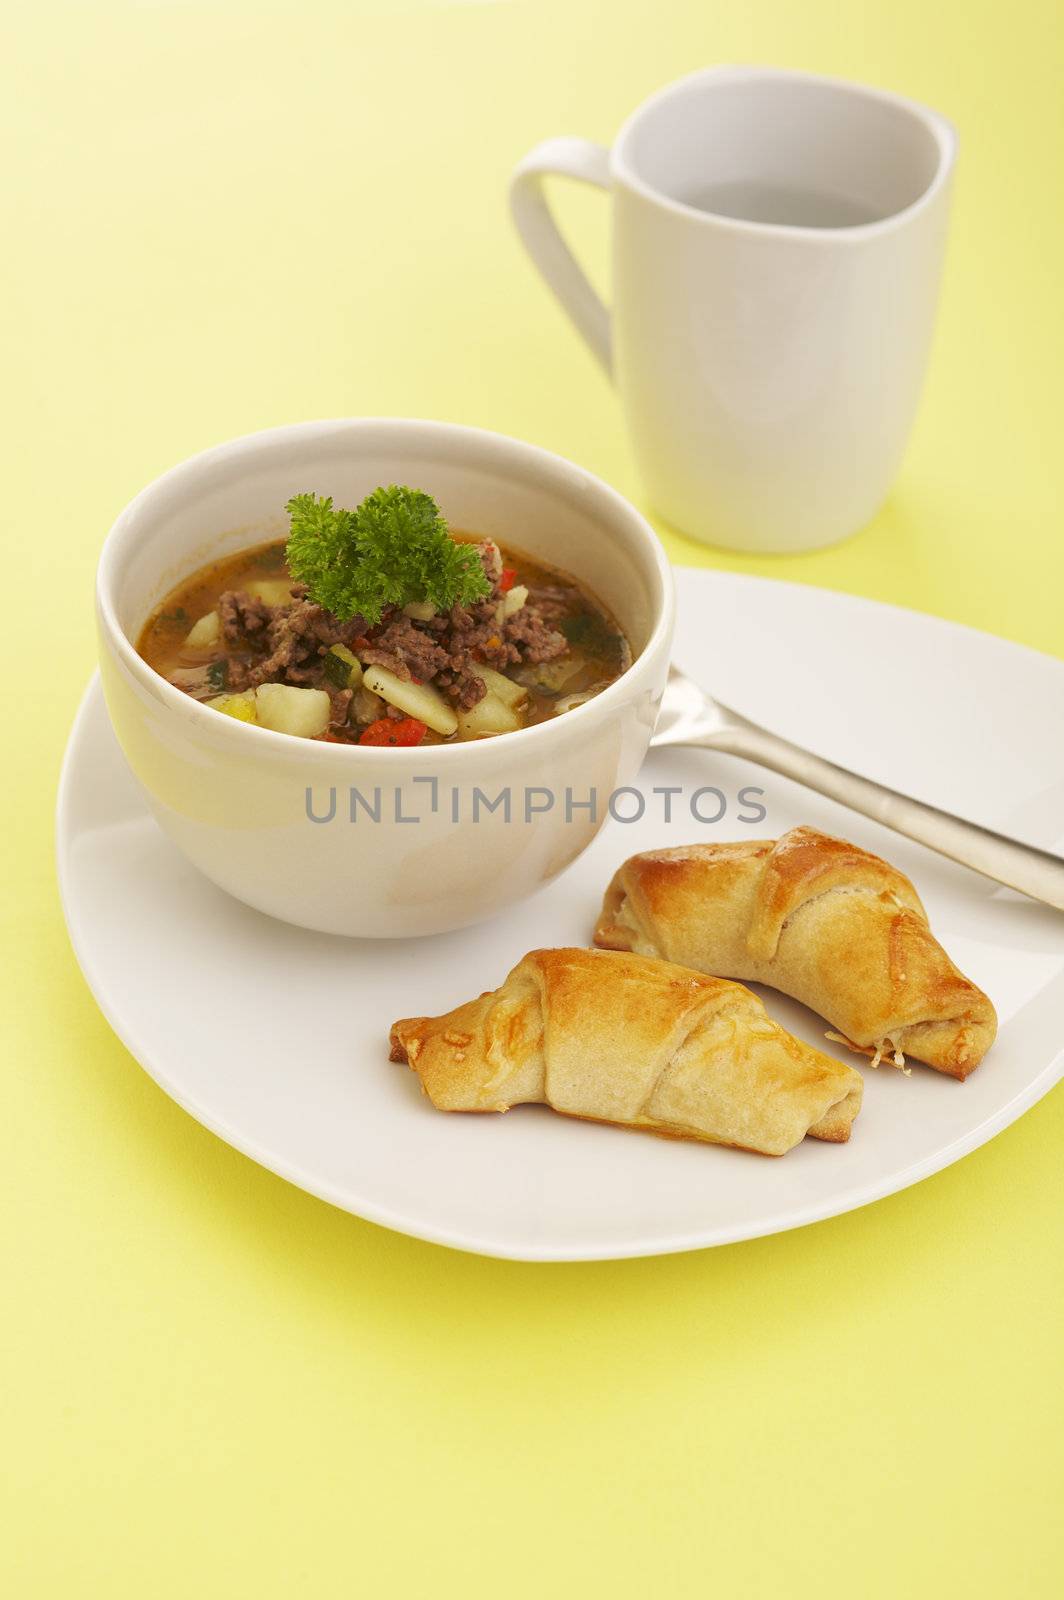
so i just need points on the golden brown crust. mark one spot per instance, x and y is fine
(817, 918)
(640, 1043)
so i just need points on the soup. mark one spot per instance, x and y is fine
(245, 638)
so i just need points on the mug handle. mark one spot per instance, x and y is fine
(588, 163)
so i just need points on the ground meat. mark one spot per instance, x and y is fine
(297, 636)
(461, 683)
(447, 650)
(550, 601)
(237, 674)
(341, 705)
(406, 649)
(287, 643)
(471, 635)
(527, 632)
(491, 561)
(244, 617)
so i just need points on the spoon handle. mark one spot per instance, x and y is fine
(1020, 866)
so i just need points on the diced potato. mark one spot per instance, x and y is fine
(504, 688)
(513, 600)
(271, 591)
(420, 610)
(488, 716)
(365, 707)
(205, 633)
(554, 675)
(240, 706)
(418, 700)
(286, 709)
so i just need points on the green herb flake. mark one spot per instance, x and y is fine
(591, 632)
(575, 628)
(394, 549)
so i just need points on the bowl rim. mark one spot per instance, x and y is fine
(534, 456)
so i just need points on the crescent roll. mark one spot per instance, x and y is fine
(640, 1043)
(817, 918)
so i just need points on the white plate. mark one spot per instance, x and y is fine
(277, 1039)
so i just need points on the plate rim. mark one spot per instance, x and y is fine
(996, 640)
(465, 1240)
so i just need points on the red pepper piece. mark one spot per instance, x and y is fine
(394, 731)
(507, 578)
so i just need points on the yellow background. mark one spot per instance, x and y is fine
(222, 217)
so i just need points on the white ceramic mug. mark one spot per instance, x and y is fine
(777, 248)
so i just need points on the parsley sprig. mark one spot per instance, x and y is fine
(393, 549)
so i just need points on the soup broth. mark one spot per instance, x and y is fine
(540, 644)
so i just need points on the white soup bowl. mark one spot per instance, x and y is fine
(353, 840)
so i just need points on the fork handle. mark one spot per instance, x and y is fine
(1020, 866)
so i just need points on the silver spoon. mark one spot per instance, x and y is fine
(689, 716)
